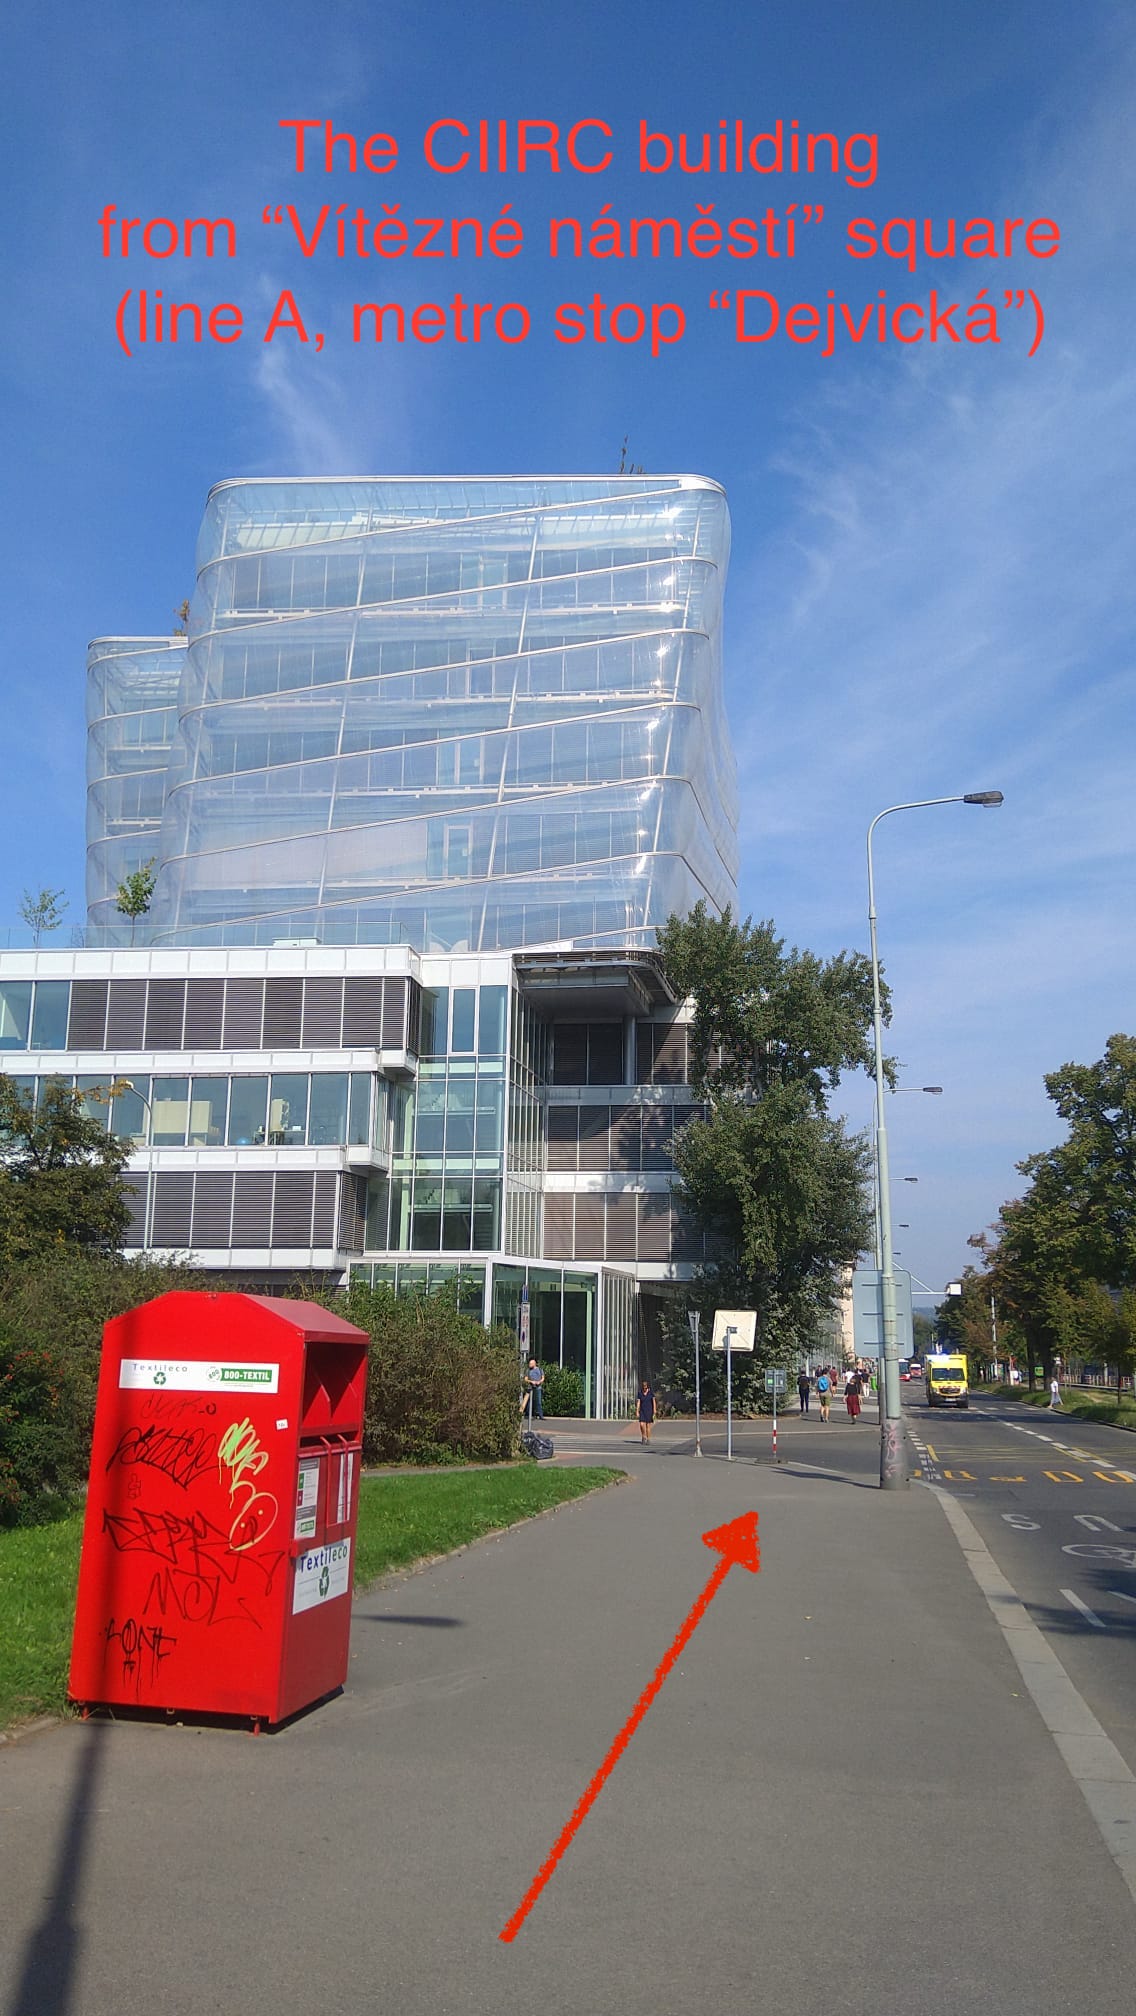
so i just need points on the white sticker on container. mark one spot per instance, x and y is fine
(321, 1575)
(200, 1375)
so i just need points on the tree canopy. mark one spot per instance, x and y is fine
(1061, 1259)
(60, 1174)
(777, 1185)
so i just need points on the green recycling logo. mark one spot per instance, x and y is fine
(325, 1579)
(159, 1377)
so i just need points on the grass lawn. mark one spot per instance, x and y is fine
(404, 1519)
(1081, 1403)
(401, 1520)
(39, 1566)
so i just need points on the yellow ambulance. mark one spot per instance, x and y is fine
(947, 1380)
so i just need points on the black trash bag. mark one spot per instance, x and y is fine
(540, 1446)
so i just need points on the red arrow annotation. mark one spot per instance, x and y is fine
(737, 1545)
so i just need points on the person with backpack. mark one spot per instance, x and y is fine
(804, 1388)
(824, 1393)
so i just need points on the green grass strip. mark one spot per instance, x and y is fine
(39, 1567)
(407, 1519)
(401, 1520)
(1078, 1405)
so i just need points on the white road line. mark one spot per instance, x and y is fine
(1108, 1787)
(1073, 1598)
(1123, 1595)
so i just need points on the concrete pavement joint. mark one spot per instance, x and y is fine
(1091, 1757)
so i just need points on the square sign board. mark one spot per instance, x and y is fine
(743, 1323)
(774, 1379)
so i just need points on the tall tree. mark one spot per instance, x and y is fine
(774, 1181)
(61, 1180)
(42, 911)
(1093, 1172)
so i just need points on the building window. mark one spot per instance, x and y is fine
(15, 1014)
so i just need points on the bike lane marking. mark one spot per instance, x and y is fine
(1095, 1764)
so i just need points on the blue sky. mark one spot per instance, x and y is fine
(933, 576)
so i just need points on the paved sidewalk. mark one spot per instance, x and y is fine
(841, 1800)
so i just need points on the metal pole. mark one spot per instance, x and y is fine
(730, 1332)
(775, 1417)
(893, 1456)
(694, 1318)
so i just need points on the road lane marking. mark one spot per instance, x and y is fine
(952, 1474)
(1020, 1523)
(1091, 1615)
(931, 1453)
(1007, 1480)
(1095, 1764)
(1123, 1595)
(1066, 1477)
(1105, 1478)
(1096, 1522)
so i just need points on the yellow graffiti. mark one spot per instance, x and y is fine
(239, 1452)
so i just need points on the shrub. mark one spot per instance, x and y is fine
(54, 1310)
(563, 1390)
(43, 1453)
(440, 1387)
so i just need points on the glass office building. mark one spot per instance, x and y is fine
(435, 760)
(464, 715)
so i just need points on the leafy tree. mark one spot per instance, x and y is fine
(134, 895)
(1092, 1175)
(923, 1332)
(60, 1174)
(181, 627)
(775, 1182)
(964, 1321)
(42, 912)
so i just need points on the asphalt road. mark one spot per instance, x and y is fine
(1055, 1501)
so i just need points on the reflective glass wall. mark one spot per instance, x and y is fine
(132, 693)
(468, 715)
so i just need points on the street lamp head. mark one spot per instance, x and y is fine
(911, 1179)
(982, 797)
(931, 1088)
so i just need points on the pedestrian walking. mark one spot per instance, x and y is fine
(1055, 1392)
(645, 1411)
(534, 1380)
(804, 1389)
(824, 1393)
(852, 1397)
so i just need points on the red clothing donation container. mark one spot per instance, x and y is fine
(219, 1538)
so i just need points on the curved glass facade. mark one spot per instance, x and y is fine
(464, 714)
(132, 693)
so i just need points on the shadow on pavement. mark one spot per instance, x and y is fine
(47, 1980)
(432, 1623)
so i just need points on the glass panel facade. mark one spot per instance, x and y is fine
(465, 714)
(132, 695)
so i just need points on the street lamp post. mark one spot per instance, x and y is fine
(893, 1456)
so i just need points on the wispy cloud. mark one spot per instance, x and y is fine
(949, 603)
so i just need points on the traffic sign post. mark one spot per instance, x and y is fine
(694, 1318)
(775, 1383)
(733, 1331)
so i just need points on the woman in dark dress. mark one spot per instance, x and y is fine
(645, 1411)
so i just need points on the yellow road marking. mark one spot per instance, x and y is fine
(953, 1474)
(1007, 1480)
(931, 1453)
(1106, 1477)
(1067, 1476)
